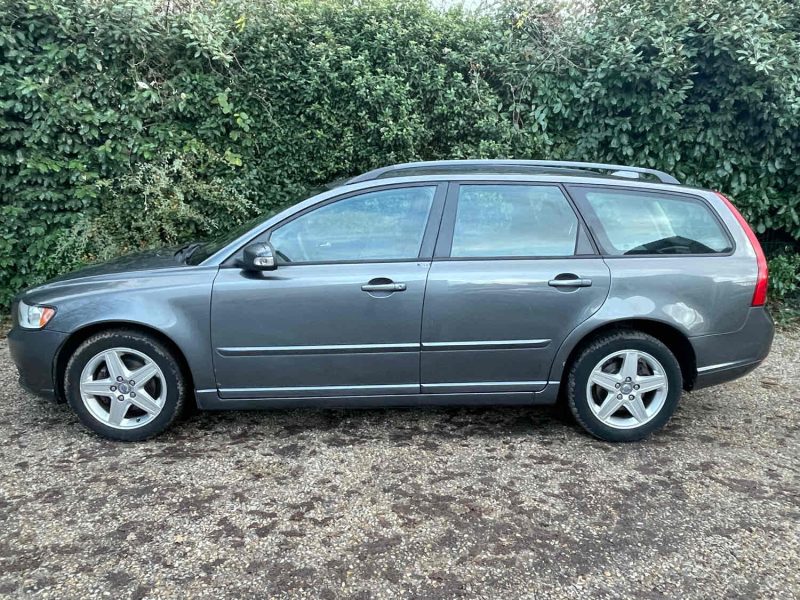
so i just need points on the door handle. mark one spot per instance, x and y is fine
(383, 287)
(571, 282)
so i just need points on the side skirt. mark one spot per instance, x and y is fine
(210, 400)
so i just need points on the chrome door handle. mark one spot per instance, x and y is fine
(383, 287)
(576, 282)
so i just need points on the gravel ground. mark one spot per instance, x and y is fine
(417, 503)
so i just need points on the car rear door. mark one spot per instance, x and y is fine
(513, 274)
(341, 315)
(672, 248)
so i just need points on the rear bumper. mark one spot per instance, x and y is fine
(34, 353)
(728, 356)
(724, 374)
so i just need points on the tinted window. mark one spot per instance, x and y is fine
(513, 220)
(383, 225)
(637, 222)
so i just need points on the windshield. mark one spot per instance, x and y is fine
(222, 239)
(216, 243)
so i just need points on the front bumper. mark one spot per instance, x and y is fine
(728, 356)
(34, 353)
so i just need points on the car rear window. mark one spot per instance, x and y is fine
(631, 222)
(494, 221)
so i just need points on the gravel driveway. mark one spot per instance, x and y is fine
(417, 503)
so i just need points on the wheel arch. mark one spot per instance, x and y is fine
(676, 340)
(77, 337)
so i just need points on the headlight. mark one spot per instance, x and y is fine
(34, 317)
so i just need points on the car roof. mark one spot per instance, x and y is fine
(516, 167)
(556, 179)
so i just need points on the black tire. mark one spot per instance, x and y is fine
(175, 385)
(601, 347)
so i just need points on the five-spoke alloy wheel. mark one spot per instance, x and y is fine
(123, 388)
(124, 385)
(626, 389)
(624, 385)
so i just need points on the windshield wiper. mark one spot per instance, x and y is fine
(184, 252)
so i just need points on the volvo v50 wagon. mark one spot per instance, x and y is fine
(454, 282)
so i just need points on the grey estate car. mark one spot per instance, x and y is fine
(451, 282)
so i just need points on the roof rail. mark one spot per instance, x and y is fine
(617, 170)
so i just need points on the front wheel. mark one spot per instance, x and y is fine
(124, 385)
(624, 386)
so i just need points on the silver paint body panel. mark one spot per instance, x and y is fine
(463, 331)
(345, 339)
(490, 300)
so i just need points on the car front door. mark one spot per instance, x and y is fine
(514, 272)
(341, 314)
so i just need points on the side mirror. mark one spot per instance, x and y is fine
(259, 257)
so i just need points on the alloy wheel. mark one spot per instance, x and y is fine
(626, 389)
(123, 388)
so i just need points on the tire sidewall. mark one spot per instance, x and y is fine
(597, 352)
(156, 352)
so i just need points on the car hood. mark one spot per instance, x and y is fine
(151, 260)
(154, 288)
(131, 266)
(117, 274)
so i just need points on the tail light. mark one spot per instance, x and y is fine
(760, 295)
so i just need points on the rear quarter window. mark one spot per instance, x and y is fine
(637, 222)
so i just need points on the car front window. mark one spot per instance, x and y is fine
(380, 225)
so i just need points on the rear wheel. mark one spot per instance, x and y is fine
(623, 386)
(124, 385)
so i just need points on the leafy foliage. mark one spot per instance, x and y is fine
(784, 276)
(784, 288)
(127, 115)
(161, 202)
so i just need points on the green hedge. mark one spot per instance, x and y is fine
(126, 124)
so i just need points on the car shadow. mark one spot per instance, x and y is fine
(392, 423)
